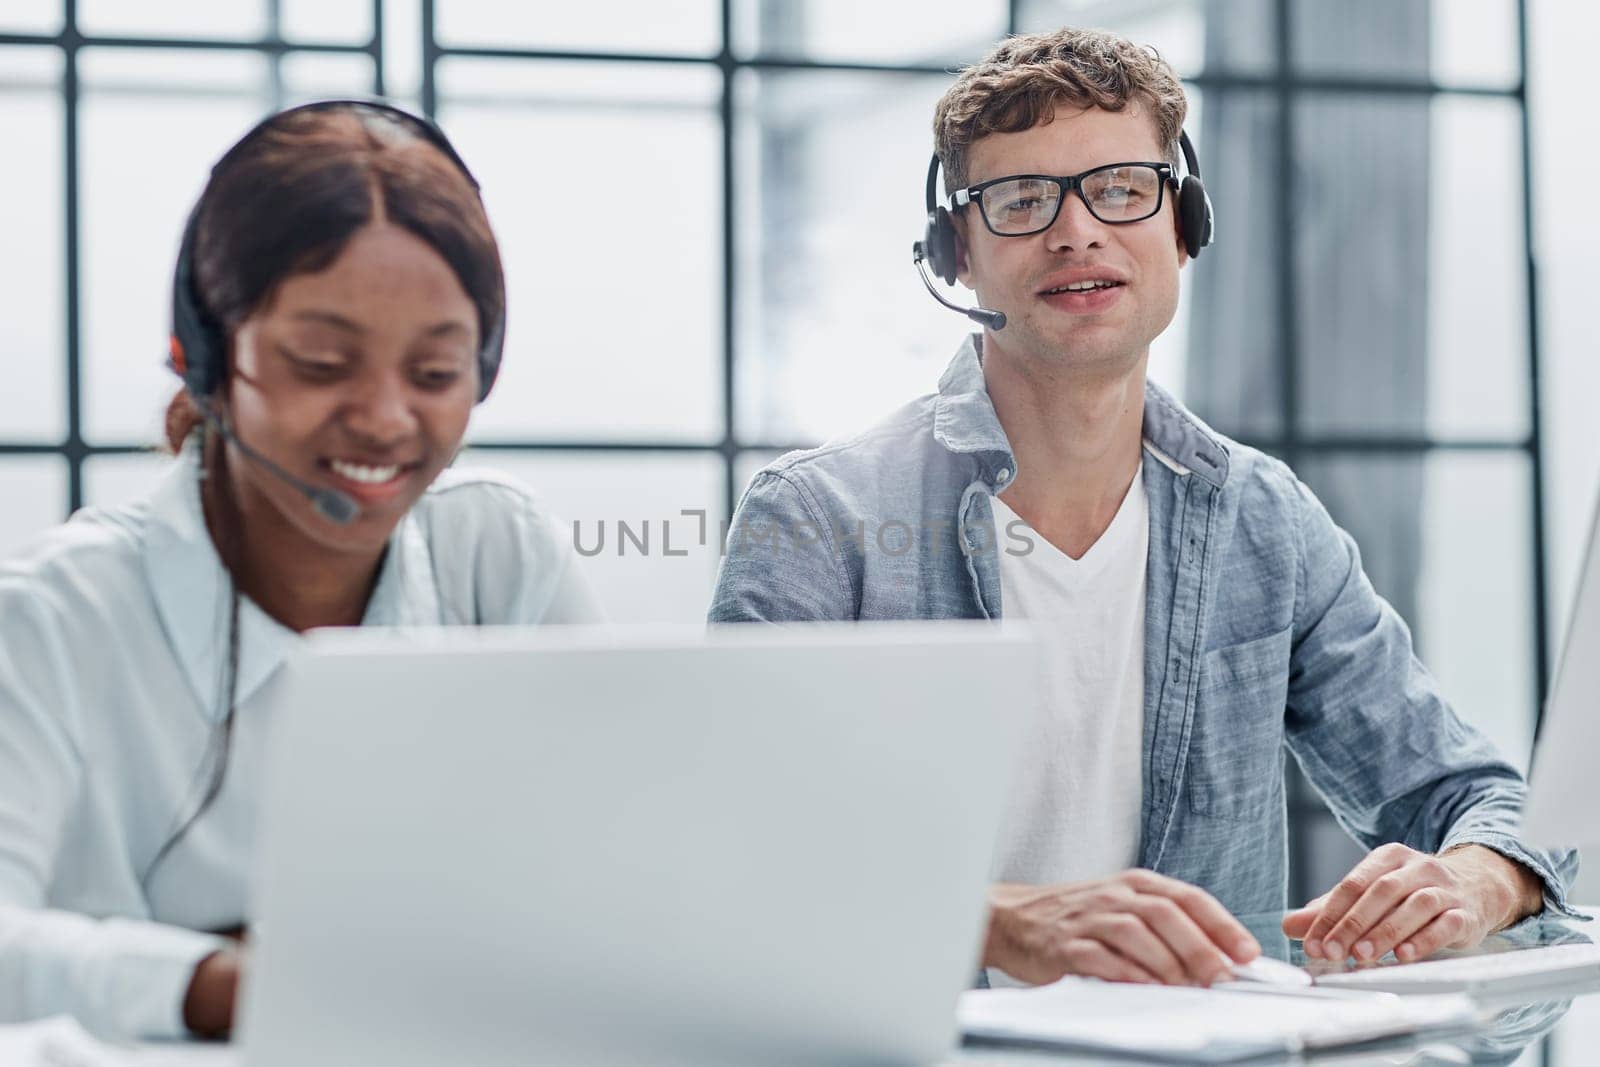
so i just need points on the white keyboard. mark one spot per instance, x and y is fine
(1494, 972)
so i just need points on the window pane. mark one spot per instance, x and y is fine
(886, 31)
(1193, 35)
(673, 26)
(1223, 353)
(1477, 292)
(112, 481)
(1411, 321)
(327, 20)
(603, 181)
(402, 49)
(1449, 41)
(311, 76)
(152, 125)
(30, 16)
(33, 405)
(34, 489)
(1446, 538)
(592, 493)
(236, 20)
(1371, 37)
(835, 330)
(1474, 42)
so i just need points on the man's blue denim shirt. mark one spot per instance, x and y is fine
(1262, 633)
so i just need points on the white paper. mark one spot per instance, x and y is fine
(1198, 1024)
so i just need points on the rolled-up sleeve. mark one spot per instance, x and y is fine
(118, 977)
(1370, 727)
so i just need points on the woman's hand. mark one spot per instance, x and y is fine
(208, 1006)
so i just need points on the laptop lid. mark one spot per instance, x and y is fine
(758, 844)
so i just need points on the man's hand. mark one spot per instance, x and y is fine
(1414, 904)
(1136, 927)
(209, 1004)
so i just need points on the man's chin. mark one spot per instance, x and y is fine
(1089, 349)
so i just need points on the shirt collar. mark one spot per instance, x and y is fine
(191, 592)
(1176, 433)
(964, 420)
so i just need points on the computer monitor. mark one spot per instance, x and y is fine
(1563, 804)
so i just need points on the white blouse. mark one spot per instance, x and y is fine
(113, 660)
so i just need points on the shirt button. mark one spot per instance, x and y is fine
(1003, 475)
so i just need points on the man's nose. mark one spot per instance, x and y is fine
(1075, 227)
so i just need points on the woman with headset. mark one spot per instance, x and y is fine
(338, 309)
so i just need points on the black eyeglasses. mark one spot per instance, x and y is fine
(1024, 204)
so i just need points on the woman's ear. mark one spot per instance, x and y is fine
(240, 351)
(221, 398)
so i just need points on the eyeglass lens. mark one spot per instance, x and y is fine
(1114, 194)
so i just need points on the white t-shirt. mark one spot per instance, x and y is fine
(1077, 797)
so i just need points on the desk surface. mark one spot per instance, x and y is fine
(1570, 1019)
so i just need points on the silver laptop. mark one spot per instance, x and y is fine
(759, 844)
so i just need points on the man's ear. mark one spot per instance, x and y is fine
(1177, 232)
(963, 265)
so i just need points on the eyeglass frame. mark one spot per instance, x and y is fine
(1067, 183)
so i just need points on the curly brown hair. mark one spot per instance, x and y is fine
(1021, 81)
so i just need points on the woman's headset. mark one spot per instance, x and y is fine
(199, 343)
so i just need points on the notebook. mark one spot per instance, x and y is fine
(1188, 1025)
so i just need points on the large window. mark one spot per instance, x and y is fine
(1365, 313)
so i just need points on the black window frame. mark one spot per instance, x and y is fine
(1283, 83)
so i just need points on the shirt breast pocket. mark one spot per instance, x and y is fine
(1235, 762)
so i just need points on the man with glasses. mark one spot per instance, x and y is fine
(1200, 609)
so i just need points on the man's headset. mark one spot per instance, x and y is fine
(199, 344)
(937, 249)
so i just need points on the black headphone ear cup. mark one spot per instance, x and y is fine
(197, 346)
(942, 245)
(1194, 214)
